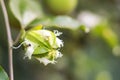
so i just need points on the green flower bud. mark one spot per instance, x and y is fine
(43, 45)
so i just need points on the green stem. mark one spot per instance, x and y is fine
(9, 39)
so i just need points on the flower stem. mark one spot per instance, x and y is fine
(9, 39)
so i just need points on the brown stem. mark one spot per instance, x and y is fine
(9, 39)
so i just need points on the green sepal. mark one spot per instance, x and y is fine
(49, 55)
(39, 27)
(36, 38)
(40, 50)
(40, 55)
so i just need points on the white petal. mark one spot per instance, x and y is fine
(46, 61)
(58, 54)
(30, 49)
(44, 33)
(59, 42)
(57, 33)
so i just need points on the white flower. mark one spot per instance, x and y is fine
(40, 42)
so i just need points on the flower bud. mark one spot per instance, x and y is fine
(43, 45)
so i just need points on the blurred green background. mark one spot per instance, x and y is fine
(87, 55)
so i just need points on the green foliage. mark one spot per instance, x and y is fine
(3, 74)
(29, 12)
(26, 11)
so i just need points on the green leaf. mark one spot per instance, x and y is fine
(58, 21)
(44, 21)
(66, 22)
(3, 74)
(26, 11)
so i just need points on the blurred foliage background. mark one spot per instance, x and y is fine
(91, 42)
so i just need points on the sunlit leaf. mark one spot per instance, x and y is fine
(25, 10)
(3, 74)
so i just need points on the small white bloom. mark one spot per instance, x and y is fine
(29, 49)
(59, 42)
(46, 61)
(57, 33)
(58, 54)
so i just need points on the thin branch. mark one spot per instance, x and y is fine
(9, 39)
